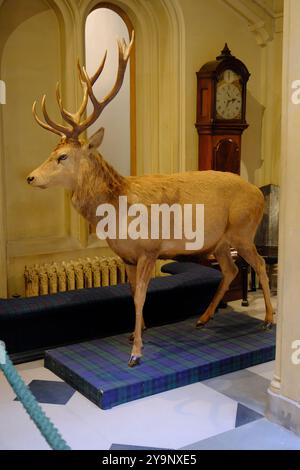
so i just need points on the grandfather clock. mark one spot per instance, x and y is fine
(221, 112)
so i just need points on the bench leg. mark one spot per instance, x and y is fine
(253, 280)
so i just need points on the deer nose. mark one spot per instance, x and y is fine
(30, 179)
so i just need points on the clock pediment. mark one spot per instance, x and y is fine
(215, 68)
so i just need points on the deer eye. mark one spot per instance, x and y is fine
(62, 157)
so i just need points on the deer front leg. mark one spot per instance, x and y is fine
(131, 274)
(144, 270)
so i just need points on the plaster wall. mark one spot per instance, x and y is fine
(40, 41)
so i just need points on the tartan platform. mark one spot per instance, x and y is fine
(174, 355)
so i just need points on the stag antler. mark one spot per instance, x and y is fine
(74, 119)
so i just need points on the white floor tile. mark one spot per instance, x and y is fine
(30, 365)
(17, 431)
(266, 370)
(258, 435)
(168, 420)
(36, 371)
(78, 431)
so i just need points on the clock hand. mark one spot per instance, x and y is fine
(230, 101)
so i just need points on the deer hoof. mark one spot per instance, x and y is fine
(200, 325)
(268, 325)
(134, 361)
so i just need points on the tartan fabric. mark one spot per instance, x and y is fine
(175, 355)
(70, 317)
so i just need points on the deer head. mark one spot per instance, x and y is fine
(62, 166)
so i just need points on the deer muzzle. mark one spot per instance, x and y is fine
(30, 179)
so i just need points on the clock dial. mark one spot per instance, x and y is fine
(229, 101)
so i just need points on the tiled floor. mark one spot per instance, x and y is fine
(221, 413)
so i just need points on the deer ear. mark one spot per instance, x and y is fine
(96, 139)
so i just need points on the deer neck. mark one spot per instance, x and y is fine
(97, 183)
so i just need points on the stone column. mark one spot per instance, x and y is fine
(284, 392)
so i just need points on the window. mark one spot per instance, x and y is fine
(104, 25)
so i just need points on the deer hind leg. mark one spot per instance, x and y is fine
(131, 274)
(144, 271)
(229, 271)
(249, 253)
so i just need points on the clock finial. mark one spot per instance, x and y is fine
(226, 52)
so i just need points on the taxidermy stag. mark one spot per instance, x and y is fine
(233, 207)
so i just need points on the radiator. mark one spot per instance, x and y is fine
(42, 279)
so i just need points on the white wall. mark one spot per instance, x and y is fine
(284, 393)
(40, 41)
(29, 72)
(103, 27)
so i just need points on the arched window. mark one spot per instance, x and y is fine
(104, 25)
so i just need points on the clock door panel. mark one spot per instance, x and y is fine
(226, 156)
(205, 152)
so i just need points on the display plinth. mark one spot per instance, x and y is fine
(175, 355)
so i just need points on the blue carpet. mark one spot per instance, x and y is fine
(174, 355)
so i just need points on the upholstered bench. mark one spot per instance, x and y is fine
(30, 325)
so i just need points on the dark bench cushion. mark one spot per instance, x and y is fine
(42, 322)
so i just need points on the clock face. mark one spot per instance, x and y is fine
(229, 96)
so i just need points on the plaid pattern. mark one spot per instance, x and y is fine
(175, 355)
(70, 317)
